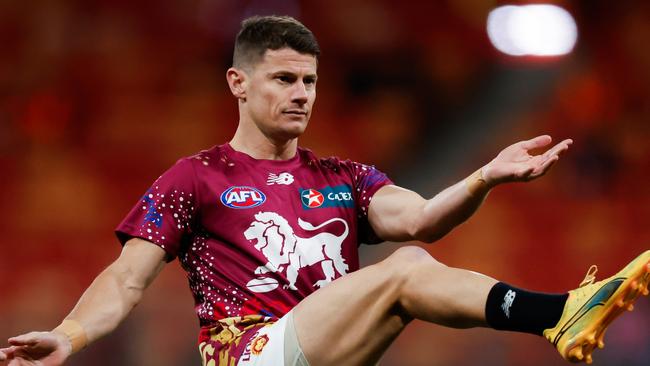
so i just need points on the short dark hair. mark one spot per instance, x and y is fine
(261, 33)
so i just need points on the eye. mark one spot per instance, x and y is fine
(284, 79)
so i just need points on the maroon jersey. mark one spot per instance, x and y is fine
(257, 236)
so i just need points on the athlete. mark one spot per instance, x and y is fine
(268, 234)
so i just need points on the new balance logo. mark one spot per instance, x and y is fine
(507, 302)
(283, 178)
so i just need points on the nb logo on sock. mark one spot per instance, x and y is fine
(507, 302)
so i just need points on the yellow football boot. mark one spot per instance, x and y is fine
(593, 306)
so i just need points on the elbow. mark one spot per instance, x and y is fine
(430, 230)
(133, 291)
(127, 283)
(425, 232)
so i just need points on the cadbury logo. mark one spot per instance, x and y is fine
(242, 197)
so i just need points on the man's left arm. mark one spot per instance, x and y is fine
(398, 214)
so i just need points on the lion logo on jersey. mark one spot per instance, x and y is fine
(285, 250)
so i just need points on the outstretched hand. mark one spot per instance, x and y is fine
(37, 348)
(516, 164)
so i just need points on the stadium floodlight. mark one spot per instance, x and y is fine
(532, 30)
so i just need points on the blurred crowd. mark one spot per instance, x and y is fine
(99, 97)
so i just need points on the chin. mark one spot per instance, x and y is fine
(293, 128)
(291, 132)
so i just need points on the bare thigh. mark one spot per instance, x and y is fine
(353, 320)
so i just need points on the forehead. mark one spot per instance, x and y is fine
(287, 59)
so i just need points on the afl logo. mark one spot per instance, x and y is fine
(242, 197)
(312, 198)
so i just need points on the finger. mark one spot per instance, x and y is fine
(524, 174)
(559, 148)
(18, 362)
(534, 143)
(546, 165)
(8, 352)
(28, 339)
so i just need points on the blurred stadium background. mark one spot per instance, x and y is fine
(99, 97)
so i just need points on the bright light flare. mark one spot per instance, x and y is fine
(532, 30)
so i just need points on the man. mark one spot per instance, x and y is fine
(268, 234)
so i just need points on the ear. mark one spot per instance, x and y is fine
(237, 82)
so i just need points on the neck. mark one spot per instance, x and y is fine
(260, 146)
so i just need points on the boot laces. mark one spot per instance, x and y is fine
(590, 277)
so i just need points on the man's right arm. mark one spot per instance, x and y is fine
(398, 214)
(102, 307)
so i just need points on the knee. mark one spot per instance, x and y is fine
(411, 254)
(405, 260)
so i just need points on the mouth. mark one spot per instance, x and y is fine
(295, 112)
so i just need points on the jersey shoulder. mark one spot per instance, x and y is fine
(214, 157)
(333, 163)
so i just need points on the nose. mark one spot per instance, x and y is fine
(299, 93)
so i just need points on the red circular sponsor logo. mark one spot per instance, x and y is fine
(312, 198)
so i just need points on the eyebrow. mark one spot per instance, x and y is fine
(290, 73)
